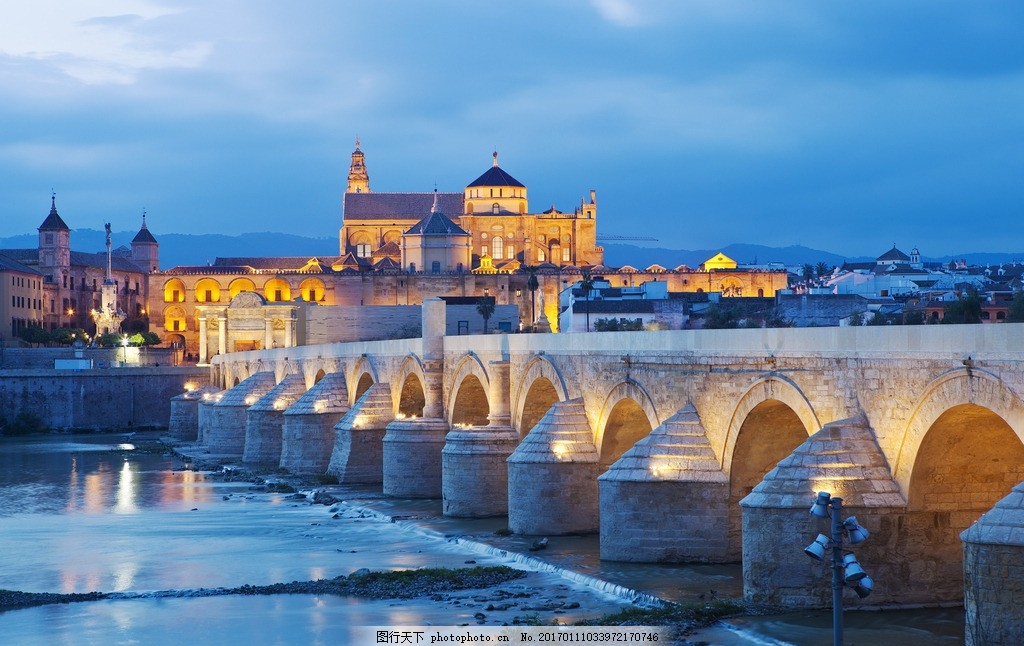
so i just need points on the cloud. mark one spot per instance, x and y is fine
(623, 13)
(95, 42)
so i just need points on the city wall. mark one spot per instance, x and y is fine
(97, 399)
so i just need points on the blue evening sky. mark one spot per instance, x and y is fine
(845, 126)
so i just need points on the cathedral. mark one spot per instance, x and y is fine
(488, 225)
(395, 249)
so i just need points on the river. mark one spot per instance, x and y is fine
(94, 513)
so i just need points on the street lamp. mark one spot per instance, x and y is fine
(124, 350)
(845, 568)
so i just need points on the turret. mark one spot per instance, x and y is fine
(54, 244)
(358, 179)
(145, 249)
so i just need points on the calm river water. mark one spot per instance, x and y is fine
(90, 513)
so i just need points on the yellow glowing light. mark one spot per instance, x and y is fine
(319, 406)
(400, 416)
(561, 450)
(190, 386)
(250, 400)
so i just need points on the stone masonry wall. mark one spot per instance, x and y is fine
(98, 399)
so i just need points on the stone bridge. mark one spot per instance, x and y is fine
(676, 446)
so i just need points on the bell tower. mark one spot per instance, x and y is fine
(358, 180)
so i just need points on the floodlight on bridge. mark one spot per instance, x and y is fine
(854, 532)
(845, 568)
(818, 548)
(863, 587)
(820, 506)
(853, 572)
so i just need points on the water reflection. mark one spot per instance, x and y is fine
(126, 491)
(91, 475)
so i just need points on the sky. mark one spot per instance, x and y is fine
(843, 126)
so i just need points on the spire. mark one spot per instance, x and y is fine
(53, 221)
(435, 208)
(495, 158)
(357, 142)
(143, 236)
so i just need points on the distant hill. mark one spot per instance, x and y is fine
(188, 249)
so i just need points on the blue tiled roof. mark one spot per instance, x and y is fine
(436, 224)
(496, 177)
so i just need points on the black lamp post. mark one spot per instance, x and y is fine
(845, 568)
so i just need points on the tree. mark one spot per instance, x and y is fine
(587, 284)
(822, 269)
(913, 317)
(966, 309)
(808, 271)
(857, 319)
(34, 335)
(532, 284)
(717, 317)
(1016, 314)
(485, 307)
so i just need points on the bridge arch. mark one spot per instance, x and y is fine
(962, 452)
(363, 375)
(539, 388)
(959, 387)
(627, 416)
(468, 401)
(771, 419)
(410, 388)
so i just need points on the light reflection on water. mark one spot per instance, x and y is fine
(90, 475)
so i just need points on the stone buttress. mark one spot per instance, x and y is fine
(552, 475)
(994, 574)
(413, 445)
(265, 420)
(844, 459)
(307, 438)
(473, 461)
(358, 454)
(207, 414)
(226, 433)
(666, 498)
(184, 424)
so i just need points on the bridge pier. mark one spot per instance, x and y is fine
(994, 574)
(673, 473)
(552, 475)
(358, 453)
(307, 437)
(474, 471)
(226, 432)
(184, 424)
(206, 414)
(844, 459)
(264, 421)
(412, 446)
(412, 457)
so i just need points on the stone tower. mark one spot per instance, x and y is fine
(145, 249)
(358, 180)
(54, 245)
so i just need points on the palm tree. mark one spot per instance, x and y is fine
(587, 284)
(532, 284)
(485, 307)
